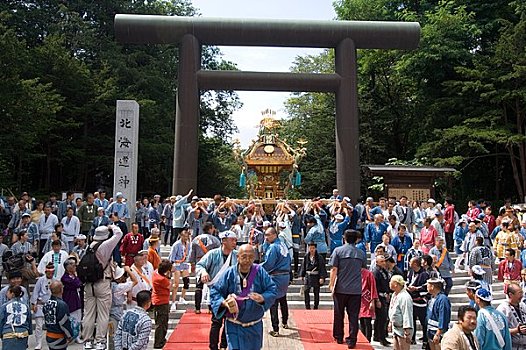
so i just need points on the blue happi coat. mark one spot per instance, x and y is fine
(212, 262)
(15, 316)
(485, 332)
(316, 234)
(239, 337)
(459, 234)
(401, 250)
(373, 234)
(336, 230)
(277, 264)
(120, 208)
(438, 313)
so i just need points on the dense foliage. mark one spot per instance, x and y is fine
(61, 72)
(459, 100)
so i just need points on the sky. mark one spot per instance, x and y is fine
(269, 59)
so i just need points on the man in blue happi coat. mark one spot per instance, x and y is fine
(210, 269)
(336, 228)
(243, 294)
(277, 263)
(402, 242)
(374, 231)
(119, 207)
(438, 313)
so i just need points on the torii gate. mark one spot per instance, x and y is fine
(192, 32)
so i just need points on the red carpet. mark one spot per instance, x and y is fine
(191, 333)
(315, 329)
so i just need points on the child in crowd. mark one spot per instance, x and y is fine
(161, 301)
(120, 287)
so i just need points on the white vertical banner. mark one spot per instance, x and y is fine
(126, 153)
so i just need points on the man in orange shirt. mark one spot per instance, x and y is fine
(161, 301)
(153, 256)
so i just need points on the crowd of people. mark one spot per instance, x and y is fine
(90, 268)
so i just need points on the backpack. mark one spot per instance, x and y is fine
(90, 269)
(12, 262)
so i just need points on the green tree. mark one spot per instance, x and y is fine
(495, 92)
(63, 73)
(428, 104)
(312, 119)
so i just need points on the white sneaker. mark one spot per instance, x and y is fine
(100, 346)
(88, 345)
(173, 308)
(182, 301)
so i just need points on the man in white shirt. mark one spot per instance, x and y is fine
(142, 273)
(57, 257)
(46, 226)
(71, 225)
(242, 230)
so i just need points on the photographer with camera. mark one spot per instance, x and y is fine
(96, 271)
(515, 311)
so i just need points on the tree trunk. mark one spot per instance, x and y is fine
(515, 170)
(19, 177)
(522, 144)
(48, 168)
(497, 180)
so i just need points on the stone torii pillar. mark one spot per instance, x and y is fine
(192, 32)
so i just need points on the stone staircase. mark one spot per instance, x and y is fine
(295, 300)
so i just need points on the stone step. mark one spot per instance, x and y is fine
(456, 296)
(295, 287)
